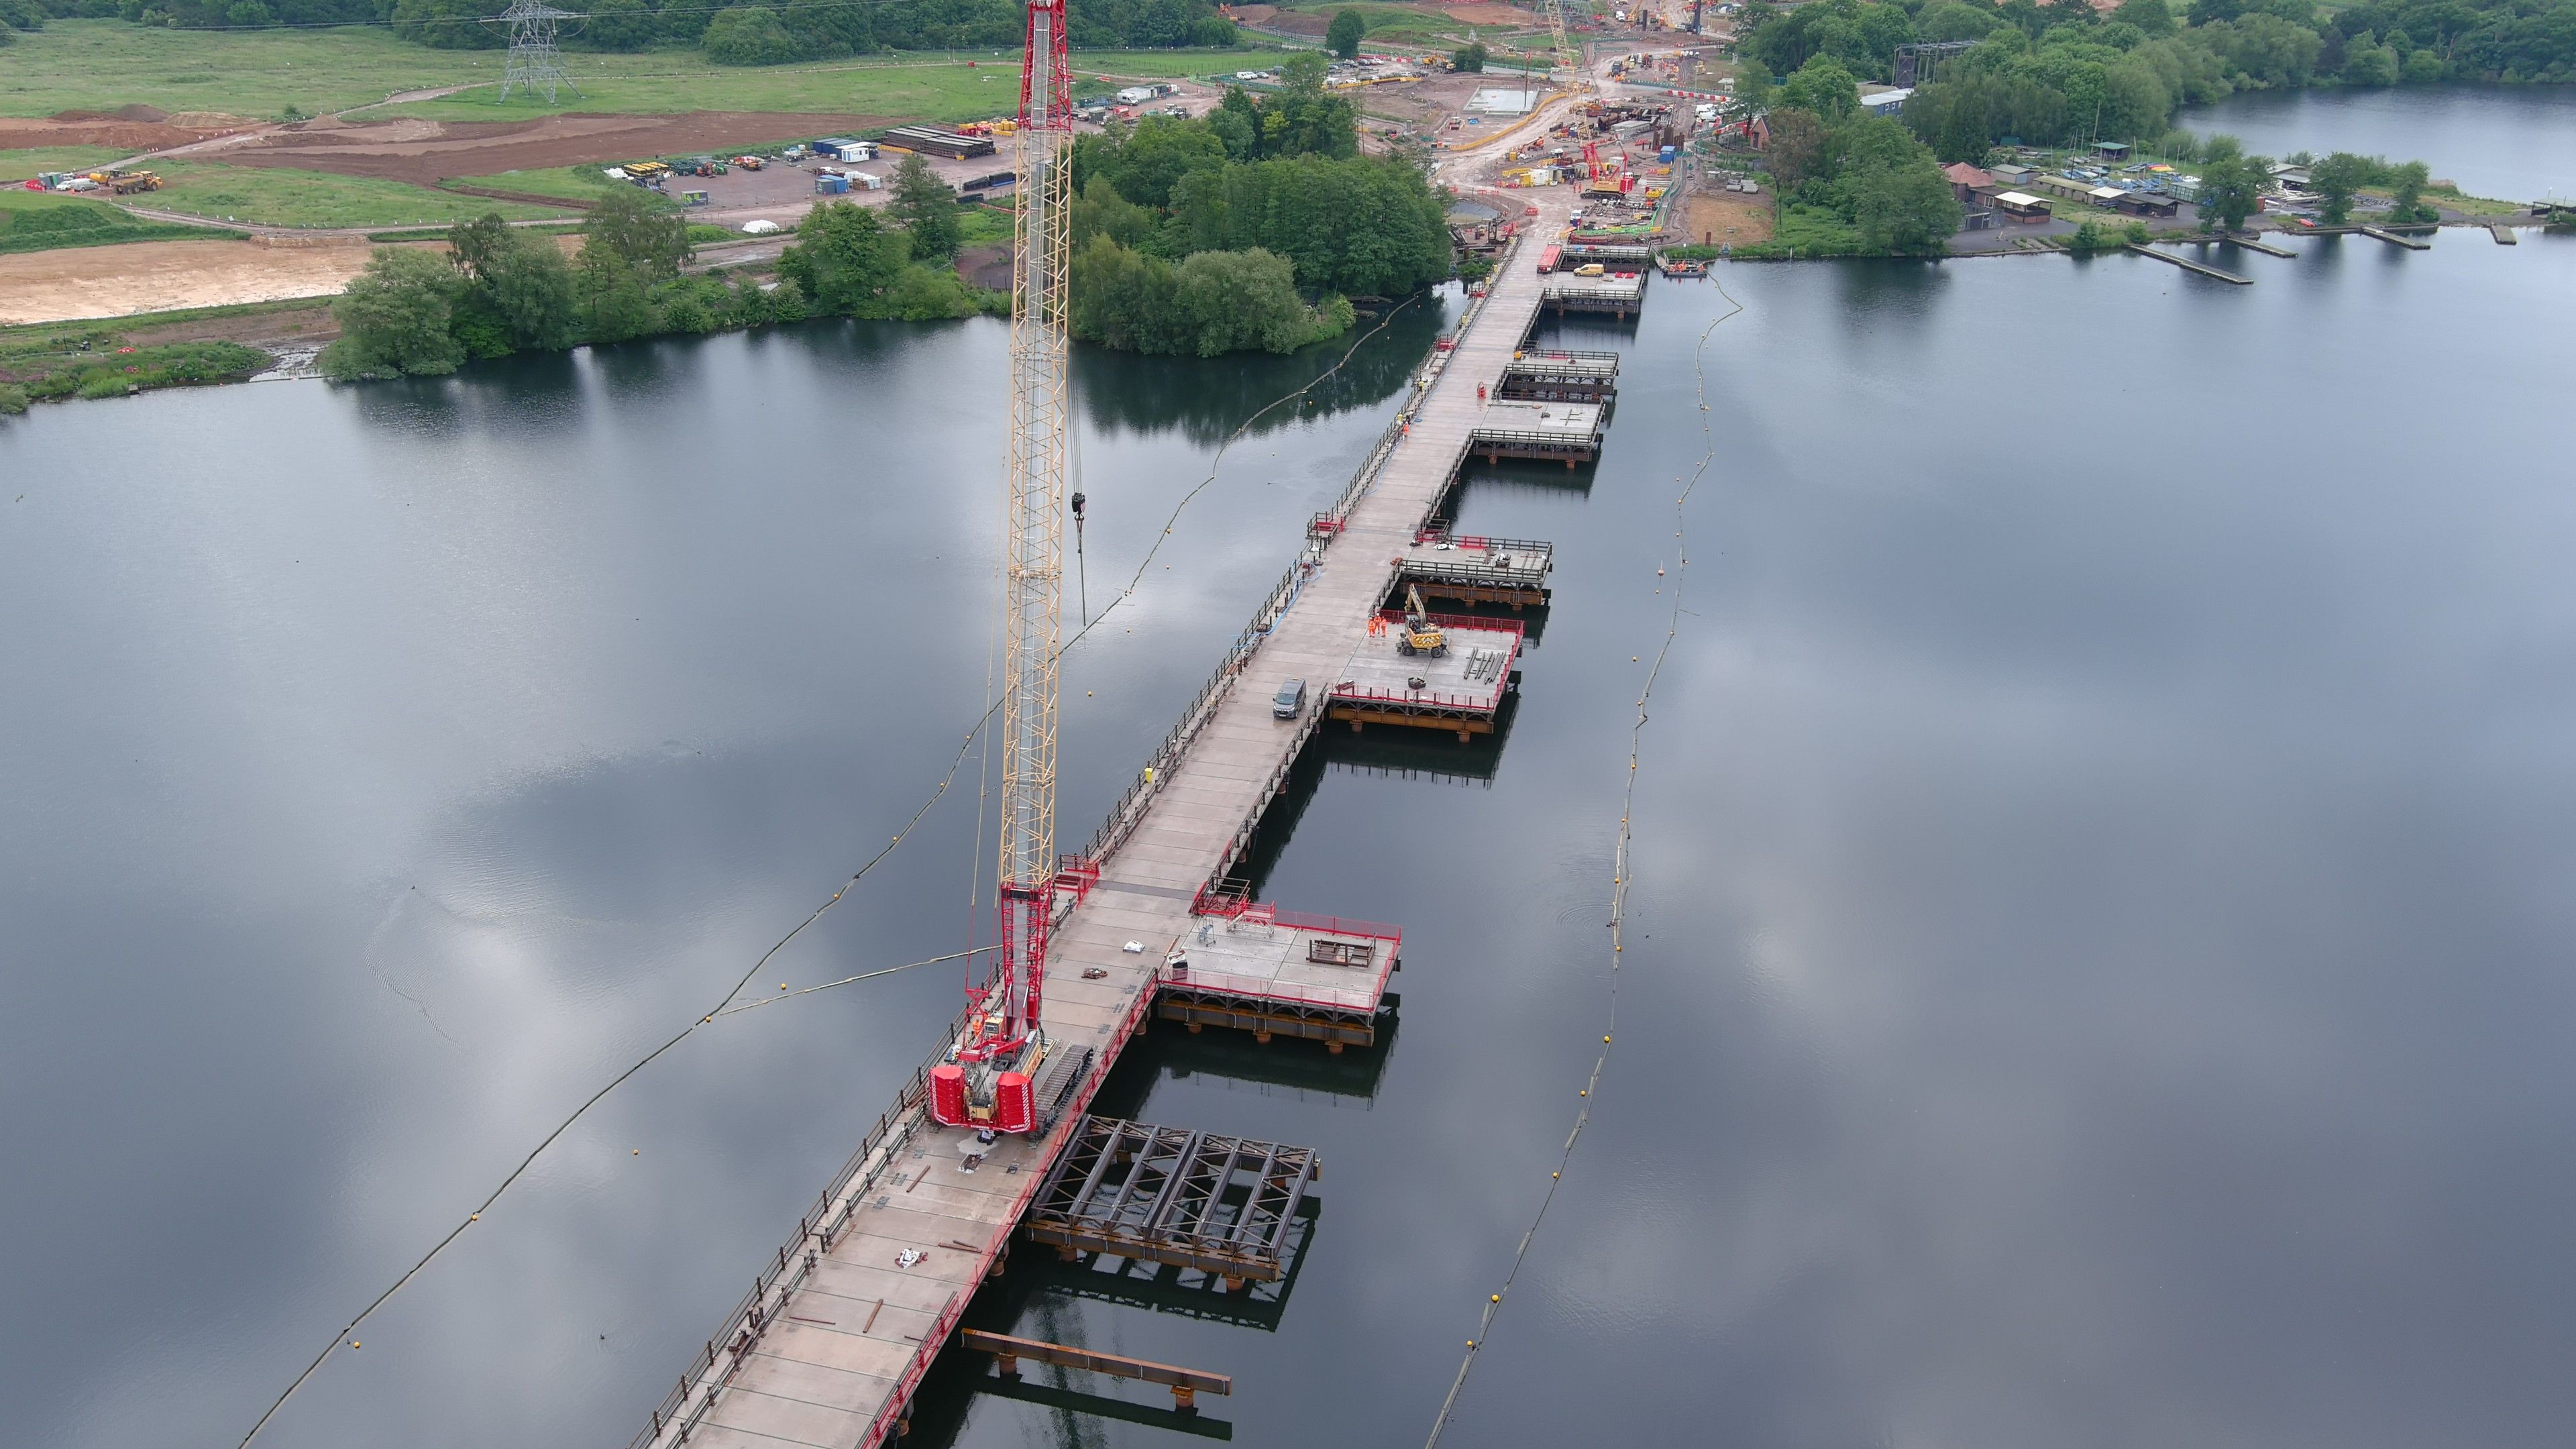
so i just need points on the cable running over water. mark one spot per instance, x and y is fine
(1619, 875)
(726, 1005)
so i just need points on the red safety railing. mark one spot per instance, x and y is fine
(1229, 906)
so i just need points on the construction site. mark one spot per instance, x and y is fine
(1154, 919)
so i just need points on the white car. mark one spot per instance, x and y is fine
(1250, 75)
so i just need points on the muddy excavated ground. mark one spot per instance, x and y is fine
(134, 128)
(427, 152)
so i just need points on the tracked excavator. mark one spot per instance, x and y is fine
(1420, 635)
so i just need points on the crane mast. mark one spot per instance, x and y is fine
(1567, 57)
(986, 1080)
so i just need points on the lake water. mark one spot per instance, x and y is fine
(2099, 895)
(2517, 145)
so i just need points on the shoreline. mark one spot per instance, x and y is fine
(291, 332)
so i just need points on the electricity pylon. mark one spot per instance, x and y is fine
(535, 63)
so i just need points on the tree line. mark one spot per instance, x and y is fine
(1205, 235)
(744, 33)
(500, 289)
(1868, 172)
(2063, 72)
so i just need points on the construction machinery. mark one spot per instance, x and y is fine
(646, 173)
(749, 163)
(126, 183)
(1419, 635)
(991, 1078)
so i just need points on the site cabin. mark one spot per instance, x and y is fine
(2147, 203)
(1136, 95)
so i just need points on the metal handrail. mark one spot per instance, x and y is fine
(1485, 542)
(1129, 808)
(1533, 438)
(893, 1128)
(1421, 698)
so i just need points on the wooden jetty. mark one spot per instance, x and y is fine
(2188, 265)
(2252, 243)
(2504, 234)
(2412, 244)
(841, 1323)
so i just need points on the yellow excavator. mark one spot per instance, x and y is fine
(1420, 635)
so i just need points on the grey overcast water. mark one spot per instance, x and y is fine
(2101, 886)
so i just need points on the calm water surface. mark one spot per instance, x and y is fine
(2100, 938)
(2516, 144)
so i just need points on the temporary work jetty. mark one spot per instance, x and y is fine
(1461, 688)
(1619, 294)
(845, 1318)
(1569, 432)
(1610, 254)
(1560, 377)
(1475, 569)
(2188, 265)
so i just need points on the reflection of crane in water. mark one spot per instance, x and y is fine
(986, 1080)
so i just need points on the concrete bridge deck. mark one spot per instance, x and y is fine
(844, 1321)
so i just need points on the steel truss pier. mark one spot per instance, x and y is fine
(1561, 377)
(1221, 1205)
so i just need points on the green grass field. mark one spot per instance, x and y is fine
(313, 198)
(37, 221)
(103, 64)
(1405, 25)
(913, 87)
(23, 164)
(574, 183)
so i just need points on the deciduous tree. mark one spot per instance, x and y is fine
(1342, 36)
(394, 318)
(926, 208)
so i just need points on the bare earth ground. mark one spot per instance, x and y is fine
(118, 281)
(427, 152)
(167, 276)
(1719, 218)
(119, 130)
